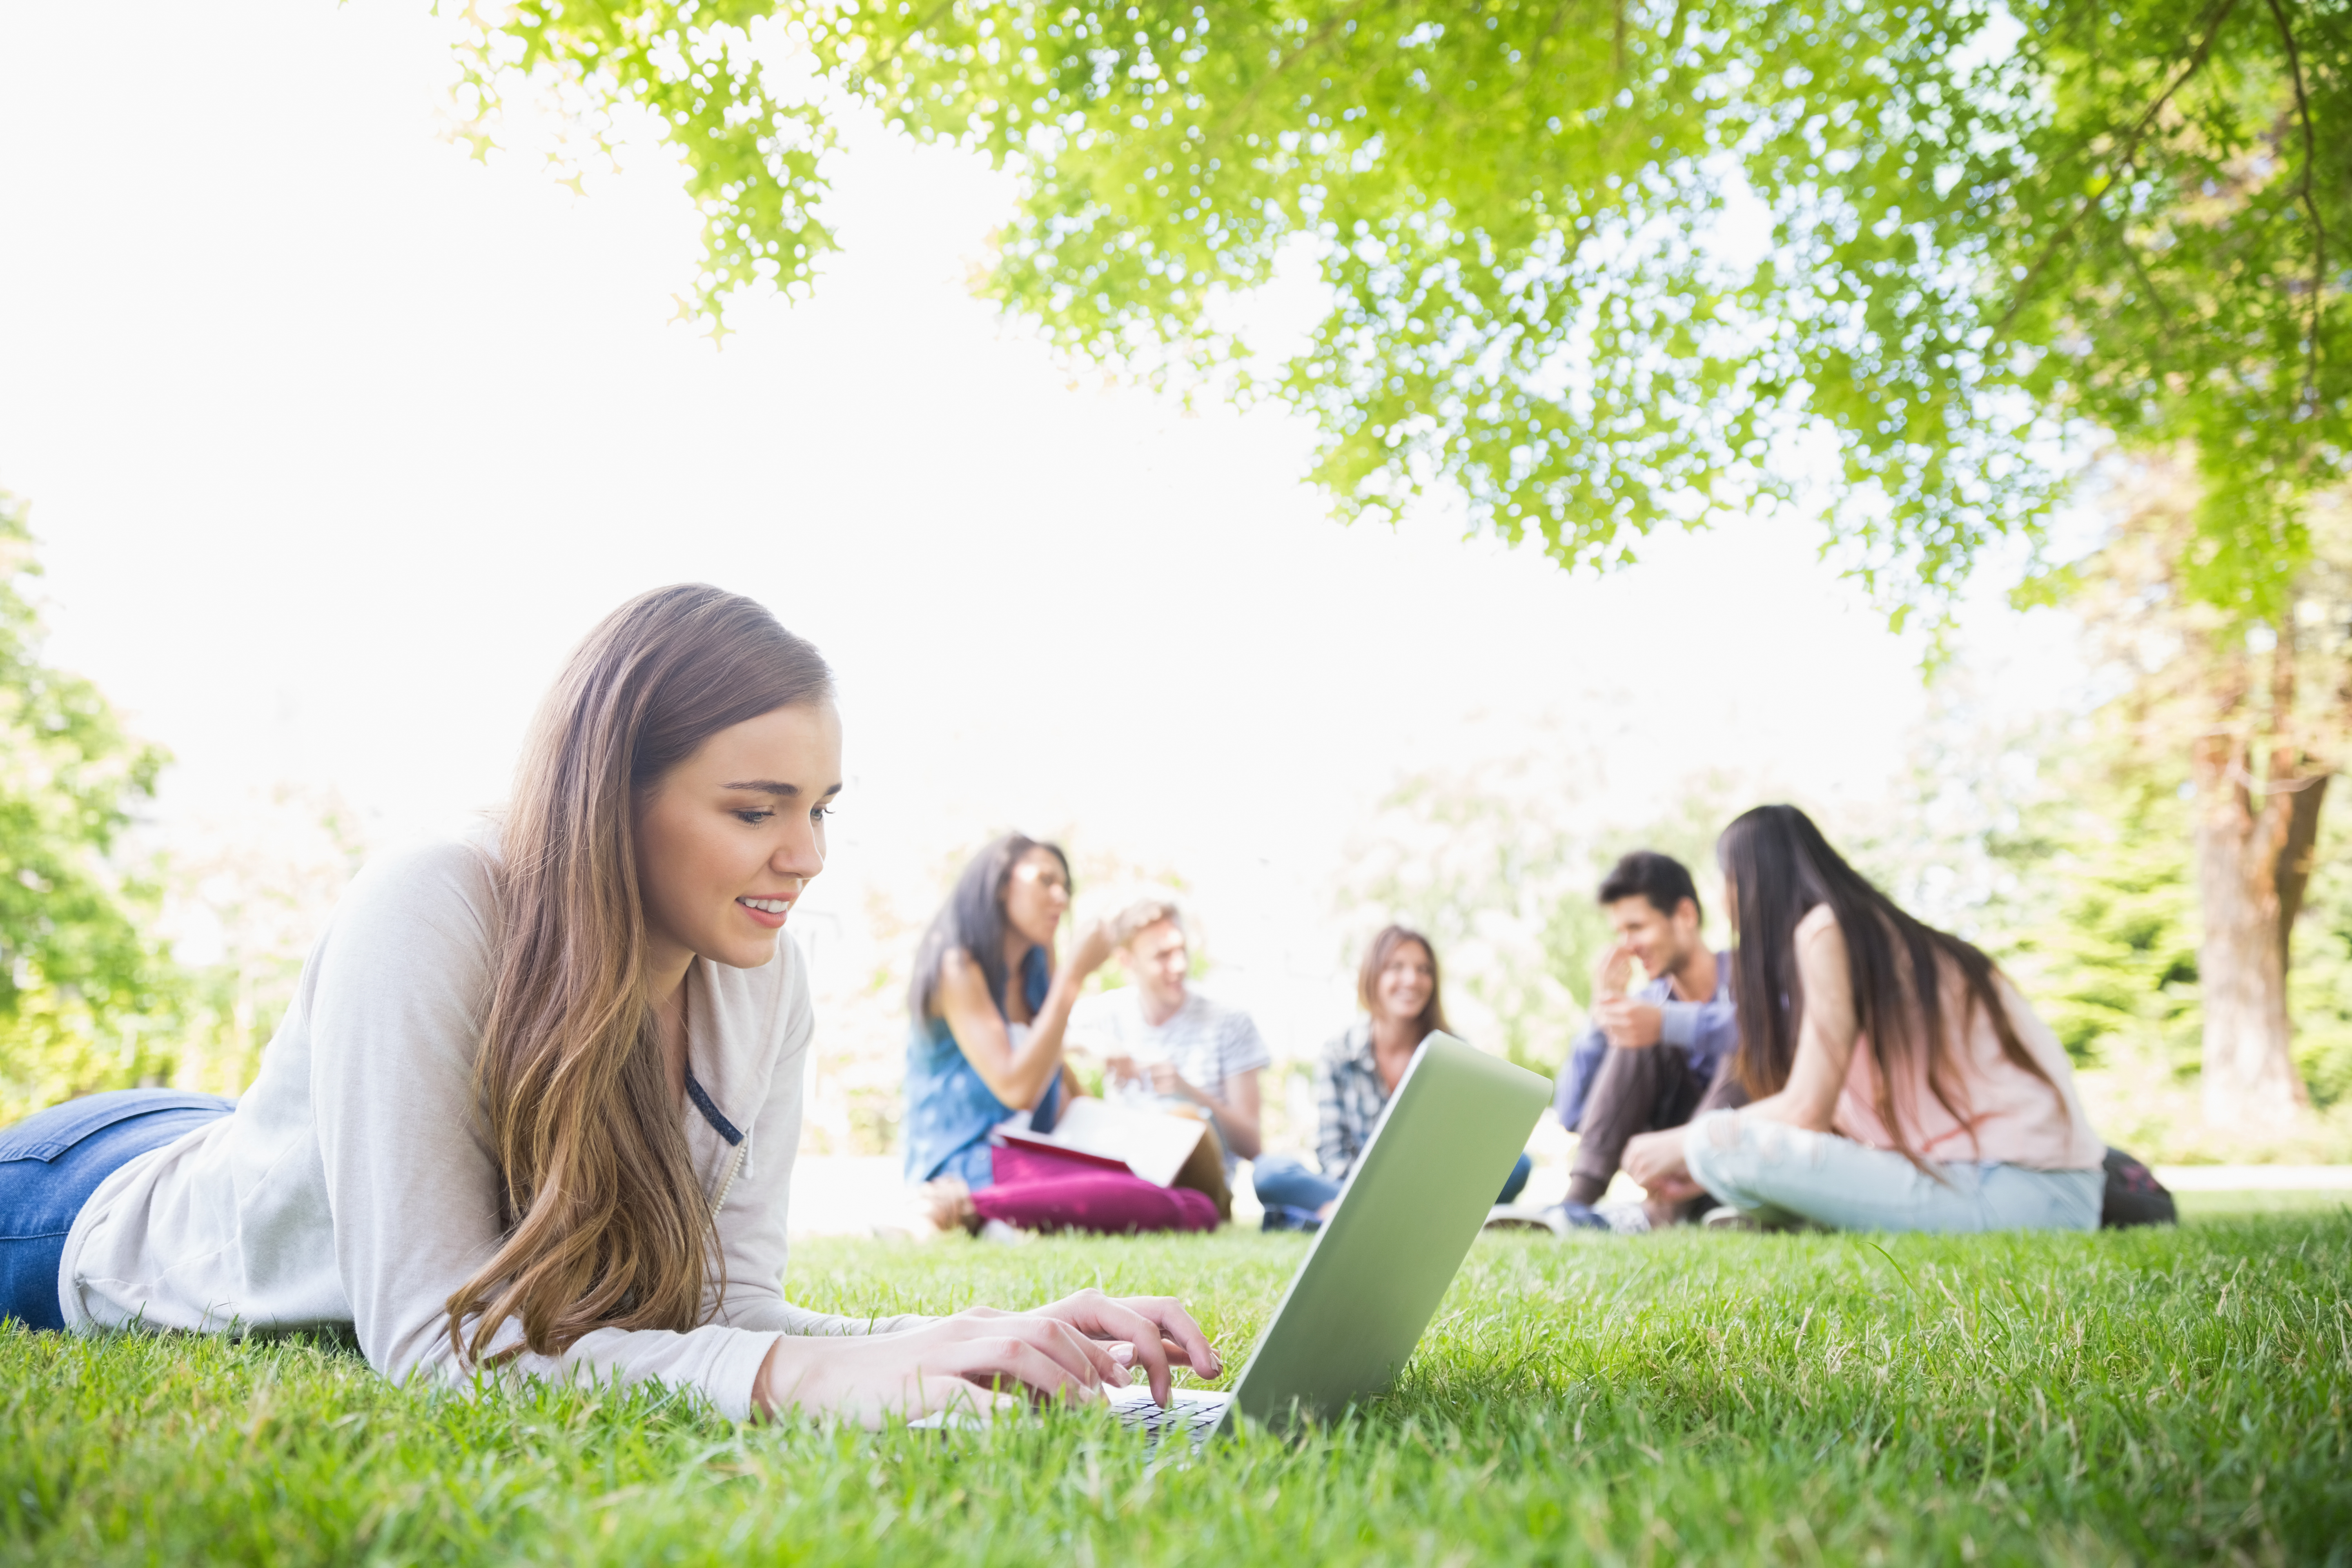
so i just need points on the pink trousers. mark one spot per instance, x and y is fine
(1037, 1191)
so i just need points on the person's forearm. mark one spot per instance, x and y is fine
(1033, 1064)
(1239, 1132)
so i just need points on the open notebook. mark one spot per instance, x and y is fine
(1152, 1143)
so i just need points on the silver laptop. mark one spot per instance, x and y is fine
(1374, 1274)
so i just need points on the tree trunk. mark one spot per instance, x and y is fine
(2250, 1078)
(2252, 862)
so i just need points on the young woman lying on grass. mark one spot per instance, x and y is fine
(1902, 1082)
(535, 1100)
(989, 1011)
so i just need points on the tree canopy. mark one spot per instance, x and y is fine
(1601, 266)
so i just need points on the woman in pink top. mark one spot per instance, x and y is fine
(1902, 1082)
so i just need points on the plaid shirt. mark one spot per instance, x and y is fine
(1350, 1100)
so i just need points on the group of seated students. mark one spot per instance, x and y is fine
(1897, 1081)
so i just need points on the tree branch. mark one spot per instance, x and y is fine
(2310, 204)
(2290, 812)
(2220, 14)
(2155, 294)
(2292, 873)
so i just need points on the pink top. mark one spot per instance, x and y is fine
(2007, 1115)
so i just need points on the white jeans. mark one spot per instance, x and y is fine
(1773, 1171)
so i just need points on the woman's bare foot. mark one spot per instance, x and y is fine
(946, 1203)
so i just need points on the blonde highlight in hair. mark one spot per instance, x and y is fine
(1146, 913)
(604, 1223)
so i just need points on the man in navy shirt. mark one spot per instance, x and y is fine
(1657, 1052)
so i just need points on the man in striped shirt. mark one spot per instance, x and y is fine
(1160, 1037)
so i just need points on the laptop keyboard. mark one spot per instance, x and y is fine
(1194, 1414)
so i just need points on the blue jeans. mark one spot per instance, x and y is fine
(53, 1160)
(1288, 1181)
(1773, 1171)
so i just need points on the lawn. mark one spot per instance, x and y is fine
(2153, 1395)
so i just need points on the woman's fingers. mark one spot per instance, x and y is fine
(1091, 1351)
(1078, 1357)
(1118, 1320)
(1012, 1359)
(1107, 1368)
(1072, 1348)
(1178, 1333)
(1155, 1328)
(1123, 1352)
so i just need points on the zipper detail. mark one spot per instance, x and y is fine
(729, 1184)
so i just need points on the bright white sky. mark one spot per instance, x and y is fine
(337, 440)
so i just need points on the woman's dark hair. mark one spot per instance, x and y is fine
(1646, 874)
(1778, 869)
(974, 919)
(1376, 957)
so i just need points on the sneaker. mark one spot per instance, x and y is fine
(1728, 1218)
(1578, 1217)
(1004, 1235)
(1626, 1218)
(1282, 1216)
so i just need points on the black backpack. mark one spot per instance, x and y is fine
(2134, 1195)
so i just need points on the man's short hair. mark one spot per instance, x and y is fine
(1144, 914)
(1646, 874)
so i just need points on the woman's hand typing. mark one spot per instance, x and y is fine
(1154, 1332)
(983, 1360)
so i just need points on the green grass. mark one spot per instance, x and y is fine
(2134, 1396)
(2196, 1206)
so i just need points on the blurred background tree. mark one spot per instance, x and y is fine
(89, 998)
(2226, 733)
(247, 895)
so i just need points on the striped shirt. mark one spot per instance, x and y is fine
(1208, 1044)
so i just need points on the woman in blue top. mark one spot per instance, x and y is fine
(990, 1009)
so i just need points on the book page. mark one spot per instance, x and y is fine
(1153, 1145)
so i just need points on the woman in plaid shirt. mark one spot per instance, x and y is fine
(1358, 1072)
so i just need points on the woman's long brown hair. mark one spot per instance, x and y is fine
(605, 1225)
(1778, 868)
